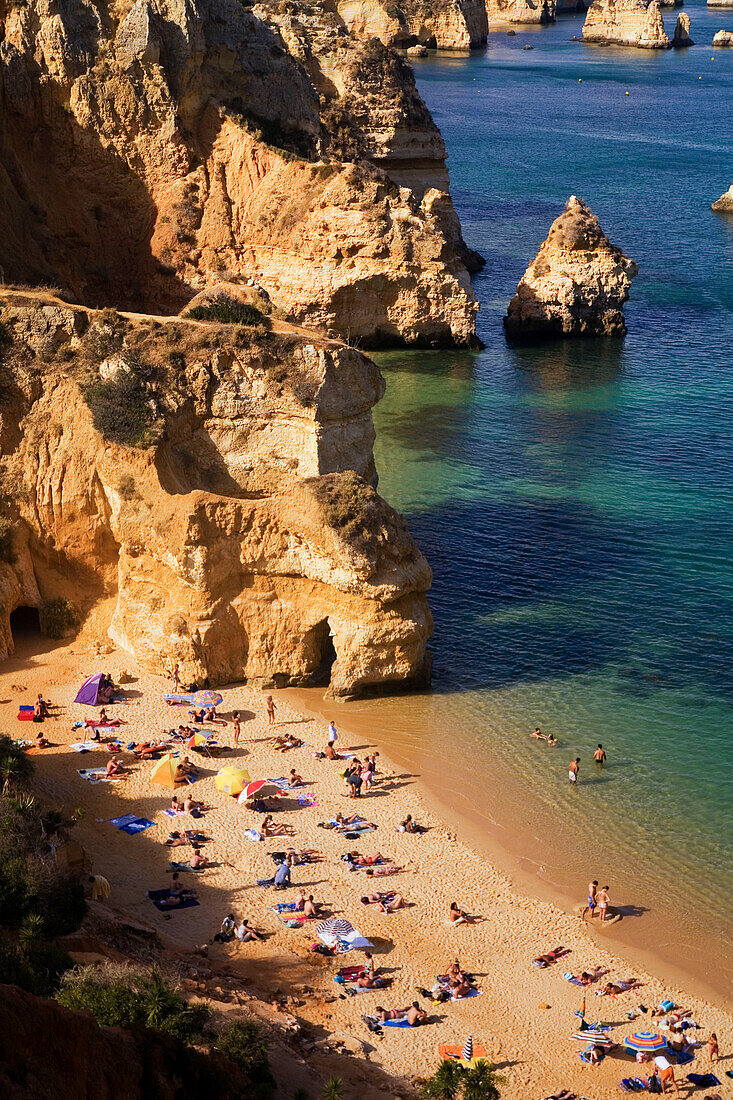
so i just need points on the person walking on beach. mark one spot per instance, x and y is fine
(271, 708)
(603, 901)
(600, 756)
(713, 1049)
(237, 726)
(332, 735)
(592, 897)
(176, 677)
(574, 769)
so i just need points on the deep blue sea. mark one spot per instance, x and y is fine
(576, 501)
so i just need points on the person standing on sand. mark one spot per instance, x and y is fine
(574, 769)
(592, 897)
(176, 677)
(332, 735)
(271, 708)
(603, 901)
(713, 1049)
(600, 756)
(237, 726)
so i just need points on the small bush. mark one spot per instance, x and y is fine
(120, 409)
(7, 553)
(16, 767)
(243, 1043)
(119, 999)
(57, 616)
(126, 487)
(227, 311)
(37, 968)
(351, 506)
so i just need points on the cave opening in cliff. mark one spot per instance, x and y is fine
(325, 654)
(25, 624)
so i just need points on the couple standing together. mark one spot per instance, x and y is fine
(597, 899)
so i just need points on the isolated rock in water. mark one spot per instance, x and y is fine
(723, 38)
(682, 31)
(443, 24)
(417, 51)
(720, 3)
(725, 203)
(576, 285)
(521, 11)
(626, 23)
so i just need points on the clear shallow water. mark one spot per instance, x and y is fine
(576, 501)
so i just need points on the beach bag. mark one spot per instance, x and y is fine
(655, 1085)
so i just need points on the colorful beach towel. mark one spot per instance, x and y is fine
(87, 746)
(158, 897)
(307, 798)
(130, 824)
(253, 834)
(98, 775)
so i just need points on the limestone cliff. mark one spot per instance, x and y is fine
(215, 479)
(442, 24)
(626, 23)
(724, 205)
(151, 148)
(525, 11)
(576, 285)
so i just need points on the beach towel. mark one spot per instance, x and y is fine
(451, 1053)
(176, 700)
(394, 1023)
(26, 706)
(703, 1080)
(307, 798)
(350, 941)
(283, 783)
(253, 834)
(98, 775)
(632, 1084)
(683, 1057)
(158, 896)
(87, 746)
(26, 716)
(130, 824)
(174, 866)
(572, 979)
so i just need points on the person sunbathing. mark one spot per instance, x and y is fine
(456, 915)
(371, 981)
(454, 972)
(178, 892)
(614, 988)
(40, 709)
(290, 742)
(415, 1015)
(366, 861)
(197, 860)
(41, 742)
(383, 1014)
(409, 826)
(269, 828)
(193, 807)
(114, 767)
(345, 823)
(330, 753)
(293, 857)
(294, 779)
(385, 903)
(310, 908)
(460, 988)
(149, 749)
(596, 1054)
(383, 871)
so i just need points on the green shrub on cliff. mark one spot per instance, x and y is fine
(120, 408)
(227, 311)
(350, 506)
(117, 997)
(57, 617)
(243, 1043)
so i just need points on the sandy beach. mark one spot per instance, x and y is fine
(523, 1016)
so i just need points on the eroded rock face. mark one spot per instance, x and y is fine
(222, 495)
(722, 39)
(164, 144)
(682, 32)
(523, 11)
(626, 23)
(724, 205)
(575, 286)
(443, 25)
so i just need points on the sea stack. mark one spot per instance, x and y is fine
(626, 23)
(576, 285)
(724, 205)
(521, 11)
(723, 38)
(682, 32)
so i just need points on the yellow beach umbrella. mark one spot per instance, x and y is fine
(164, 772)
(232, 779)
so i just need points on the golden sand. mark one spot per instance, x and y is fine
(524, 1015)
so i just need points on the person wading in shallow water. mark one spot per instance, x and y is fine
(574, 769)
(600, 756)
(592, 899)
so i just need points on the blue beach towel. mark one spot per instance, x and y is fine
(394, 1023)
(703, 1080)
(158, 896)
(130, 824)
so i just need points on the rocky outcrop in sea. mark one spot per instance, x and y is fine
(576, 285)
(723, 39)
(724, 205)
(626, 23)
(681, 35)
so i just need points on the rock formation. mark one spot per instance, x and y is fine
(722, 39)
(626, 23)
(724, 205)
(442, 25)
(151, 148)
(522, 11)
(575, 286)
(213, 479)
(720, 3)
(681, 35)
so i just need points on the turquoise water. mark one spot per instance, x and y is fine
(576, 501)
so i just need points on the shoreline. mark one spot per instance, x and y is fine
(485, 836)
(525, 1014)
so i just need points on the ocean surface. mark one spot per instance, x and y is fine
(575, 501)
